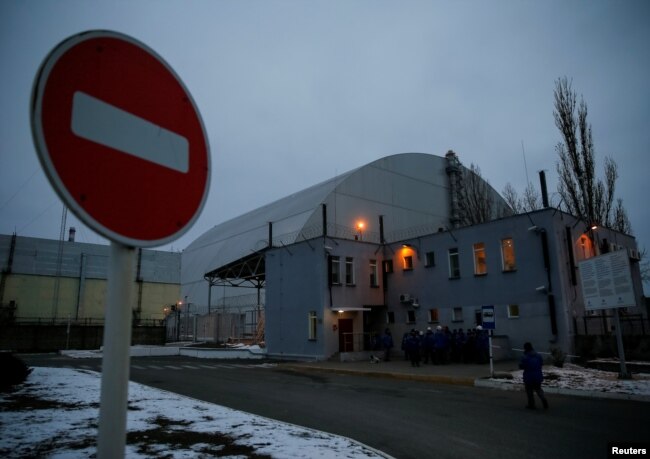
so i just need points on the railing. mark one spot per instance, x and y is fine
(86, 321)
(350, 233)
(602, 324)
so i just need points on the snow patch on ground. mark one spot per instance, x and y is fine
(55, 414)
(579, 378)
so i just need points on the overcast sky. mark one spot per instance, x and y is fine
(294, 92)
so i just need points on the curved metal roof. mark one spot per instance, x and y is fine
(410, 191)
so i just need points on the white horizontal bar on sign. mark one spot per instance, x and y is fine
(105, 124)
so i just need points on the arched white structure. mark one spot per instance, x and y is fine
(411, 191)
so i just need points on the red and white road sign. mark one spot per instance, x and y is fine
(120, 138)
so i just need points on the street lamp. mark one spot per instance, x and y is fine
(360, 228)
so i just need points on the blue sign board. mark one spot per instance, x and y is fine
(487, 316)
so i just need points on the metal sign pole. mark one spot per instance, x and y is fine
(115, 363)
(491, 358)
(619, 341)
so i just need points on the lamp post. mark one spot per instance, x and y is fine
(178, 320)
(360, 227)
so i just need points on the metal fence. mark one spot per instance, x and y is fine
(86, 321)
(603, 324)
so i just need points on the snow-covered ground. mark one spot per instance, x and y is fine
(590, 381)
(54, 414)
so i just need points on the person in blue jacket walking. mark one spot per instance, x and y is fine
(531, 362)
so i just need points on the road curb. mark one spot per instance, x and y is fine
(467, 381)
(443, 379)
(491, 384)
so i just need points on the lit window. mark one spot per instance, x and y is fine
(513, 311)
(454, 264)
(335, 270)
(349, 271)
(374, 282)
(586, 248)
(508, 254)
(429, 259)
(410, 317)
(312, 320)
(408, 262)
(480, 266)
(433, 315)
(457, 314)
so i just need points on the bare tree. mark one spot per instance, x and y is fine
(644, 265)
(478, 201)
(583, 194)
(528, 202)
(512, 198)
(621, 222)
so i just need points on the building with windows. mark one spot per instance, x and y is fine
(526, 266)
(384, 246)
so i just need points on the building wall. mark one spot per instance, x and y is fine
(358, 294)
(29, 278)
(295, 286)
(435, 289)
(545, 242)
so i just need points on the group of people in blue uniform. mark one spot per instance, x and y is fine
(440, 346)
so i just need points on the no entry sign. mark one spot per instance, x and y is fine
(120, 138)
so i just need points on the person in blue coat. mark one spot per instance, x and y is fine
(387, 344)
(531, 362)
(413, 348)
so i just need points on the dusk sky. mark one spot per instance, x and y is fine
(295, 92)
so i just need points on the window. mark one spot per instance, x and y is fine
(586, 248)
(408, 262)
(513, 311)
(374, 282)
(388, 266)
(390, 317)
(312, 320)
(433, 315)
(410, 317)
(335, 270)
(349, 271)
(457, 314)
(480, 266)
(429, 259)
(508, 254)
(454, 264)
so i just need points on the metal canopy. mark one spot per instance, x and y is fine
(244, 272)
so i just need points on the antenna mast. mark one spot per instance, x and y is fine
(523, 152)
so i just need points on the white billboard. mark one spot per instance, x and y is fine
(607, 281)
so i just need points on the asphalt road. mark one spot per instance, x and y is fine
(405, 419)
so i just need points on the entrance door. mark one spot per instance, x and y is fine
(346, 339)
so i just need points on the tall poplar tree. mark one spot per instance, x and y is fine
(583, 193)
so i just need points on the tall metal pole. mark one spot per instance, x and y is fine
(621, 351)
(115, 363)
(209, 296)
(491, 355)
